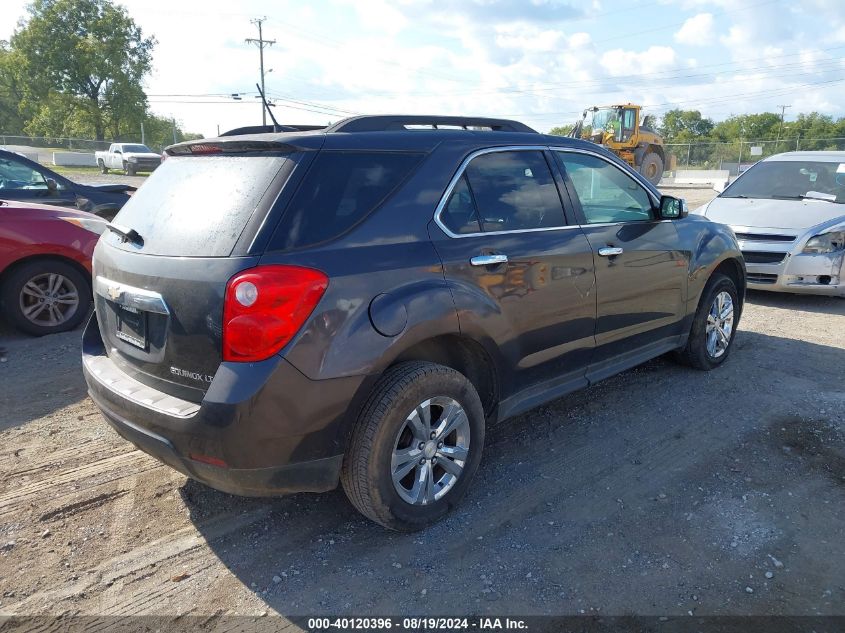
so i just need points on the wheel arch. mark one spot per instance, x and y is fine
(465, 355)
(733, 268)
(456, 351)
(23, 261)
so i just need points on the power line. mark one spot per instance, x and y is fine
(711, 101)
(782, 113)
(261, 42)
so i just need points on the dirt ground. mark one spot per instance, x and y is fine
(661, 491)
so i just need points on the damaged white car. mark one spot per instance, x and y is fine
(788, 213)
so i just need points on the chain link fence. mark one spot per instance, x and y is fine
(57, 142)
(737, 156)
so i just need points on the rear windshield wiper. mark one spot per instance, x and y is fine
(126, 235)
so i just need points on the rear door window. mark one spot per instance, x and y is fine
(514, 190)
(198, 206)
(340, 190)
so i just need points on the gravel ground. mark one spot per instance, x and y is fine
(661, 491)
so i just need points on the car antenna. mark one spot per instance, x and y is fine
(276, 127)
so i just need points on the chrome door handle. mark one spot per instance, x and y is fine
(488, 260)
(610, 251)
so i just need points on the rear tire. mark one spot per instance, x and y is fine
(652, 168)
(64, 290)
(392, 437)
(706, 348)
(102, 166)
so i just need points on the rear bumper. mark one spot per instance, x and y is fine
(265, 427)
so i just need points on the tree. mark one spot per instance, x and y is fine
(561, 130)
(158, 132)
(683, 126)
(761, 126)
(92, 54)
(816, 126)
(12, 117)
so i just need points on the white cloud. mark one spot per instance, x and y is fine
(622, 63)
(541, 61)
(697, 31)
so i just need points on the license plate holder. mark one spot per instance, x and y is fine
(131, 326)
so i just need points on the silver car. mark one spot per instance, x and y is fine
(788, 213)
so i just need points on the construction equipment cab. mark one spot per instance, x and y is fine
(620, 129)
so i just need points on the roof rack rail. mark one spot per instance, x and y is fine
(383, 123)
(264, 129)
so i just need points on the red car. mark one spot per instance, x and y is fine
(45, 265)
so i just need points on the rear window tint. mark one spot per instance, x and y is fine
(198, 206)
(340, 189)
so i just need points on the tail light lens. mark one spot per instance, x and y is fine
(265, 307)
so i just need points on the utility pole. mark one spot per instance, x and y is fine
(261, 43)
(780, 129)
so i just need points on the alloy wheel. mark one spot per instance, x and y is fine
(720, 323)
(49, 299)
(431, 450)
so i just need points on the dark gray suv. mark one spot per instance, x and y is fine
(278, 313)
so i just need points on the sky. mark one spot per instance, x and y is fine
(539, 61)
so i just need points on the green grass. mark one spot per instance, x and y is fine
(86, 170)
(63, 169)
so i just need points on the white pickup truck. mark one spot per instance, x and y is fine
(128, 157)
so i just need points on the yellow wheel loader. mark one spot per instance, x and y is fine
(620, 129)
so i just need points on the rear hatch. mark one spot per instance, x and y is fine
(160, 275)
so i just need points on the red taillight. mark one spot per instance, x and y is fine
(265, 307)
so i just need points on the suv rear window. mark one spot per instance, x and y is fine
(340, 189)
(198, 206)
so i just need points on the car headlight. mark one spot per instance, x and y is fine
(830, 242)
(95, 225)
(132, 159)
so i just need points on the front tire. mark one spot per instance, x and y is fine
(128, 170)
(714, 326)
(416, 446)
(652, 168)
(46, 296)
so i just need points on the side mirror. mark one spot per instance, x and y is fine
(52, 185)
(672, 208)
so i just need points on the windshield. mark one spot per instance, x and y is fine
(138, 149)
(604, 119)
(791, 180)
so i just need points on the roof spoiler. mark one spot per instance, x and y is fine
(265, 129)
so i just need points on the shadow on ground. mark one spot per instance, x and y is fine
(39, 375)
(660, 491)
(804, 303)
